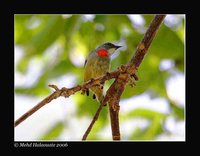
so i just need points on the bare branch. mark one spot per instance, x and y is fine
(118, 86)
(37, 107)
(144, 45)
(66, 92)
(126, 72)
(93, 120)
(122, 76)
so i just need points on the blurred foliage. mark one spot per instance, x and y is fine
(155, 127)
(60, 43)
(54, 132)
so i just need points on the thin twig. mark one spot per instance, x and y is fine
(92, 122)
(102, 104)
(37, 107)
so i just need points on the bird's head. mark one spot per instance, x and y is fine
(106, 49)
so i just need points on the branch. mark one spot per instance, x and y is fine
(122, 76)
(66, 93)
(37, 107)
(127, 73)
(94, 119)
(146, 41)
(92, 123)
(117, 88)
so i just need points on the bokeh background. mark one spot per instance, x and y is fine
(51, 49)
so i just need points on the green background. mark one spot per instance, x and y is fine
(76, 36)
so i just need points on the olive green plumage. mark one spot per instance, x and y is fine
(98, 64)
(95, 67)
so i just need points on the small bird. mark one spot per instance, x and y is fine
(97, 64)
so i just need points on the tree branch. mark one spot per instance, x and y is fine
(146, 41)
(122, 76)
(121, 81)
(37, 107)
(66, 93)
(92, 123)
(126, 73)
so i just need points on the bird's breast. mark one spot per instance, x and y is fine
(96, 66)
(101, 66)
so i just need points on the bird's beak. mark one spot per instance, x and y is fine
(116, 47)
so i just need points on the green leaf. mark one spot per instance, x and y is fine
(137, 134)
(63, 67)
(34, 90)
(144, 113)
(148, 19)
(43, 39)
(54, 132)
(22, 66)
(155, 127)
(177, 111)
(167, 44)
(71, 24)
(35, 42)
(149, 133)
(148, 78)
(21, 33)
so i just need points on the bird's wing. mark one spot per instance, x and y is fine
(85, 62)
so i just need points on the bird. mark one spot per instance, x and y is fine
(97, 64)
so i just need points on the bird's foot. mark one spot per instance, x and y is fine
(85, 90)
(132, 80)
(94, 96)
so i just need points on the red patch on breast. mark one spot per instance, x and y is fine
(102, 53)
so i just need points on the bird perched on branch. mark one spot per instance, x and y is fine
(97, 64)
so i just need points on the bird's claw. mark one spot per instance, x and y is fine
(135, 77)
(115, 107)
(132, 80)
(85, 90)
